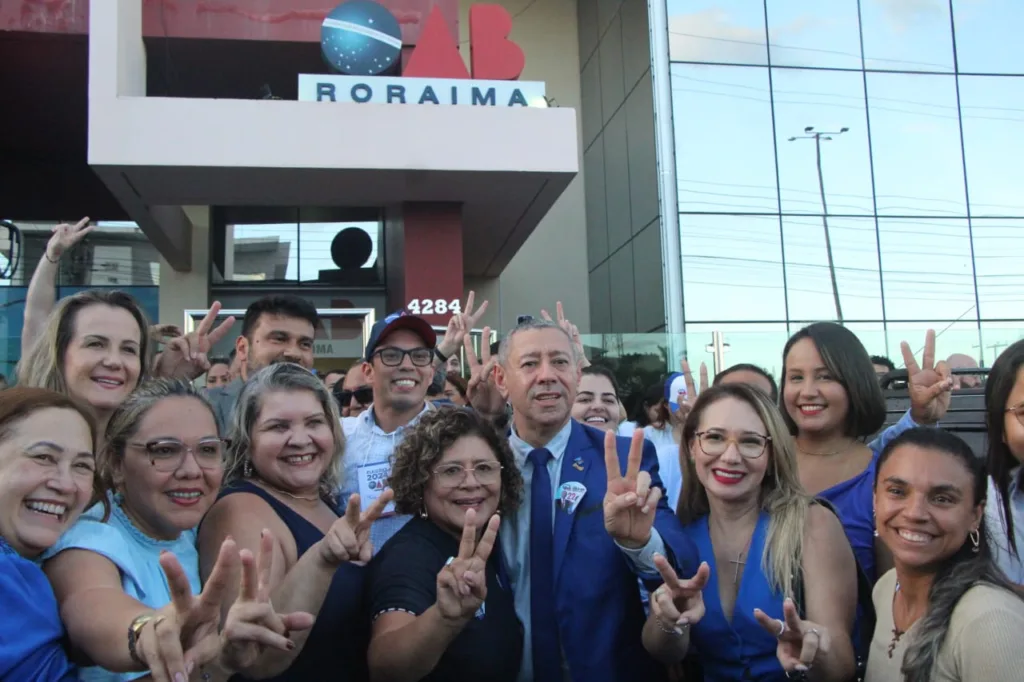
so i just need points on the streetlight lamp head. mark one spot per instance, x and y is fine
(792, 139)
(809, 129)
(844, 130)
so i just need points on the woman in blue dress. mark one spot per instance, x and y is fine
(763, 541)
(832, 403)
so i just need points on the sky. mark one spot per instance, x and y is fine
(725, 149)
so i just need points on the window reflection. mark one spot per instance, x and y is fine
(999, 252)
(732, 268)
(724, 152)
(727, 31)
(829, 101)
(915, 138)
(988, 36)
(758, 344)
(950, 338)
(907, 36)
(995, 337)
(993, 121)
(814, 33)
(926, 269)
(855, 259)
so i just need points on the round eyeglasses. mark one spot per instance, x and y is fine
(454, 475)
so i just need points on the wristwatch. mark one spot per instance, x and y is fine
(134, 630)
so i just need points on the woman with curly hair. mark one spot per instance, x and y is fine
(438, 592)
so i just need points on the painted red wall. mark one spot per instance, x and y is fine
(286, 20)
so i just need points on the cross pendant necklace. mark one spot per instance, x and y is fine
(738, 561)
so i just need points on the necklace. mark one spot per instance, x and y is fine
(305, 498)
(827, 454)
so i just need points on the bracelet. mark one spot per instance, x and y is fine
(678, 631)
(134, 630)
(440, 356)
(46, 255)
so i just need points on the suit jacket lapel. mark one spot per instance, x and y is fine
(579, 453)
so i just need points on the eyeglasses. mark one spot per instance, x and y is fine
(363, 396)
(454, 475)
(1018, 411)
(393, 357)
(749, 445)
(168, 455)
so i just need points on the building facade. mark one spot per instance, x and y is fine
(707, 177)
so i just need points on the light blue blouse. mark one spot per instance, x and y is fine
(137, 557)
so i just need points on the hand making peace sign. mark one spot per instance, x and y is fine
(678, 603)
(481, 390)
(686, 402)
(252, 625)
(186, 357)
(65, 236)
(462, 583)
(930, 385)
(348, 538)
(800, 641)
(570, 329)
(459, 326)
(630, 502)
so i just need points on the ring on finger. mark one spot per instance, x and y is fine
(782, 629)
(814, 631)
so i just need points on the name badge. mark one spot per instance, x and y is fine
(570, 494)
(372, 483)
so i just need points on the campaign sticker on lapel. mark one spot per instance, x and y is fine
(372, 483)
(569, 495)
(577, 463)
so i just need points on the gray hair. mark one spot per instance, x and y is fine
(124, 423)
(505, 348)
(282, 376)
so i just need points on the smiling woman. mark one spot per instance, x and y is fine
(94, 348)
(46, 480)
(438, 594)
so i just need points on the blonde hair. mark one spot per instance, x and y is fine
(284, 376)
(124, 423)
(42, 366)
(782, 495)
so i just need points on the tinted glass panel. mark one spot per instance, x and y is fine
(993, 120)
(988, 35)
(999, 253)
(907, 35)
(814, 33)
(729, 31)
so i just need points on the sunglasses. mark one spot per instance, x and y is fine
(363, 396)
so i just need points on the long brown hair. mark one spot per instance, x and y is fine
(782, 495)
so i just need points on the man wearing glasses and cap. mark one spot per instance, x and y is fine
(399, 364)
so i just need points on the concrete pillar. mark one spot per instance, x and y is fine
(180, 291)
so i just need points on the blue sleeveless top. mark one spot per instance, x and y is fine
(336, 647)
(740, 650)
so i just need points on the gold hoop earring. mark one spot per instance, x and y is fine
(975, 536)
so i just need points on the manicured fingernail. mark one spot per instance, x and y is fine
(683, 620)
(190, 667)
(646, 509)
(800, 667)
(678, 631)
(179, 677)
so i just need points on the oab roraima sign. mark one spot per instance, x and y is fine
(363, 41)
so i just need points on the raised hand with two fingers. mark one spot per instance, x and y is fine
(348, 538)
(187, 357)
(678, 604)
(801, 642)
(570, 329)
(65, 236)
(482, 390)
(930, 384)
(252, 626)
(460, 325)
(462, 583)
(630, 501)
(686, 402)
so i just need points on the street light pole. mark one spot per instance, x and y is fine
(818, 136)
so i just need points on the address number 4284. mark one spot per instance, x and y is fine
(434, 306)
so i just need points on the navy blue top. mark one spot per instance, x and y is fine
(740, 649)
(337, 645)
(31, 631)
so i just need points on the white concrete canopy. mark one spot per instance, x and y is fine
(507, 166)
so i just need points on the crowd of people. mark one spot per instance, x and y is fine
(440, 511)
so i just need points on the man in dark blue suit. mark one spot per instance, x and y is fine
(584, 532)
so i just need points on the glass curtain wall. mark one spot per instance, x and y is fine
(851, 160)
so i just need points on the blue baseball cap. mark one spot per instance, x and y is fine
(395, 321)
(674, 385)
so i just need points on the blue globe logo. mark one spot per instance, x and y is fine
(361, 38)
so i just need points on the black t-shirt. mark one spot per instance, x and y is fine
(403, 576)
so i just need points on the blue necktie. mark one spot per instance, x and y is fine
(547, 656)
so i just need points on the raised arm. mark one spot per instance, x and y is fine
(42, 289)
